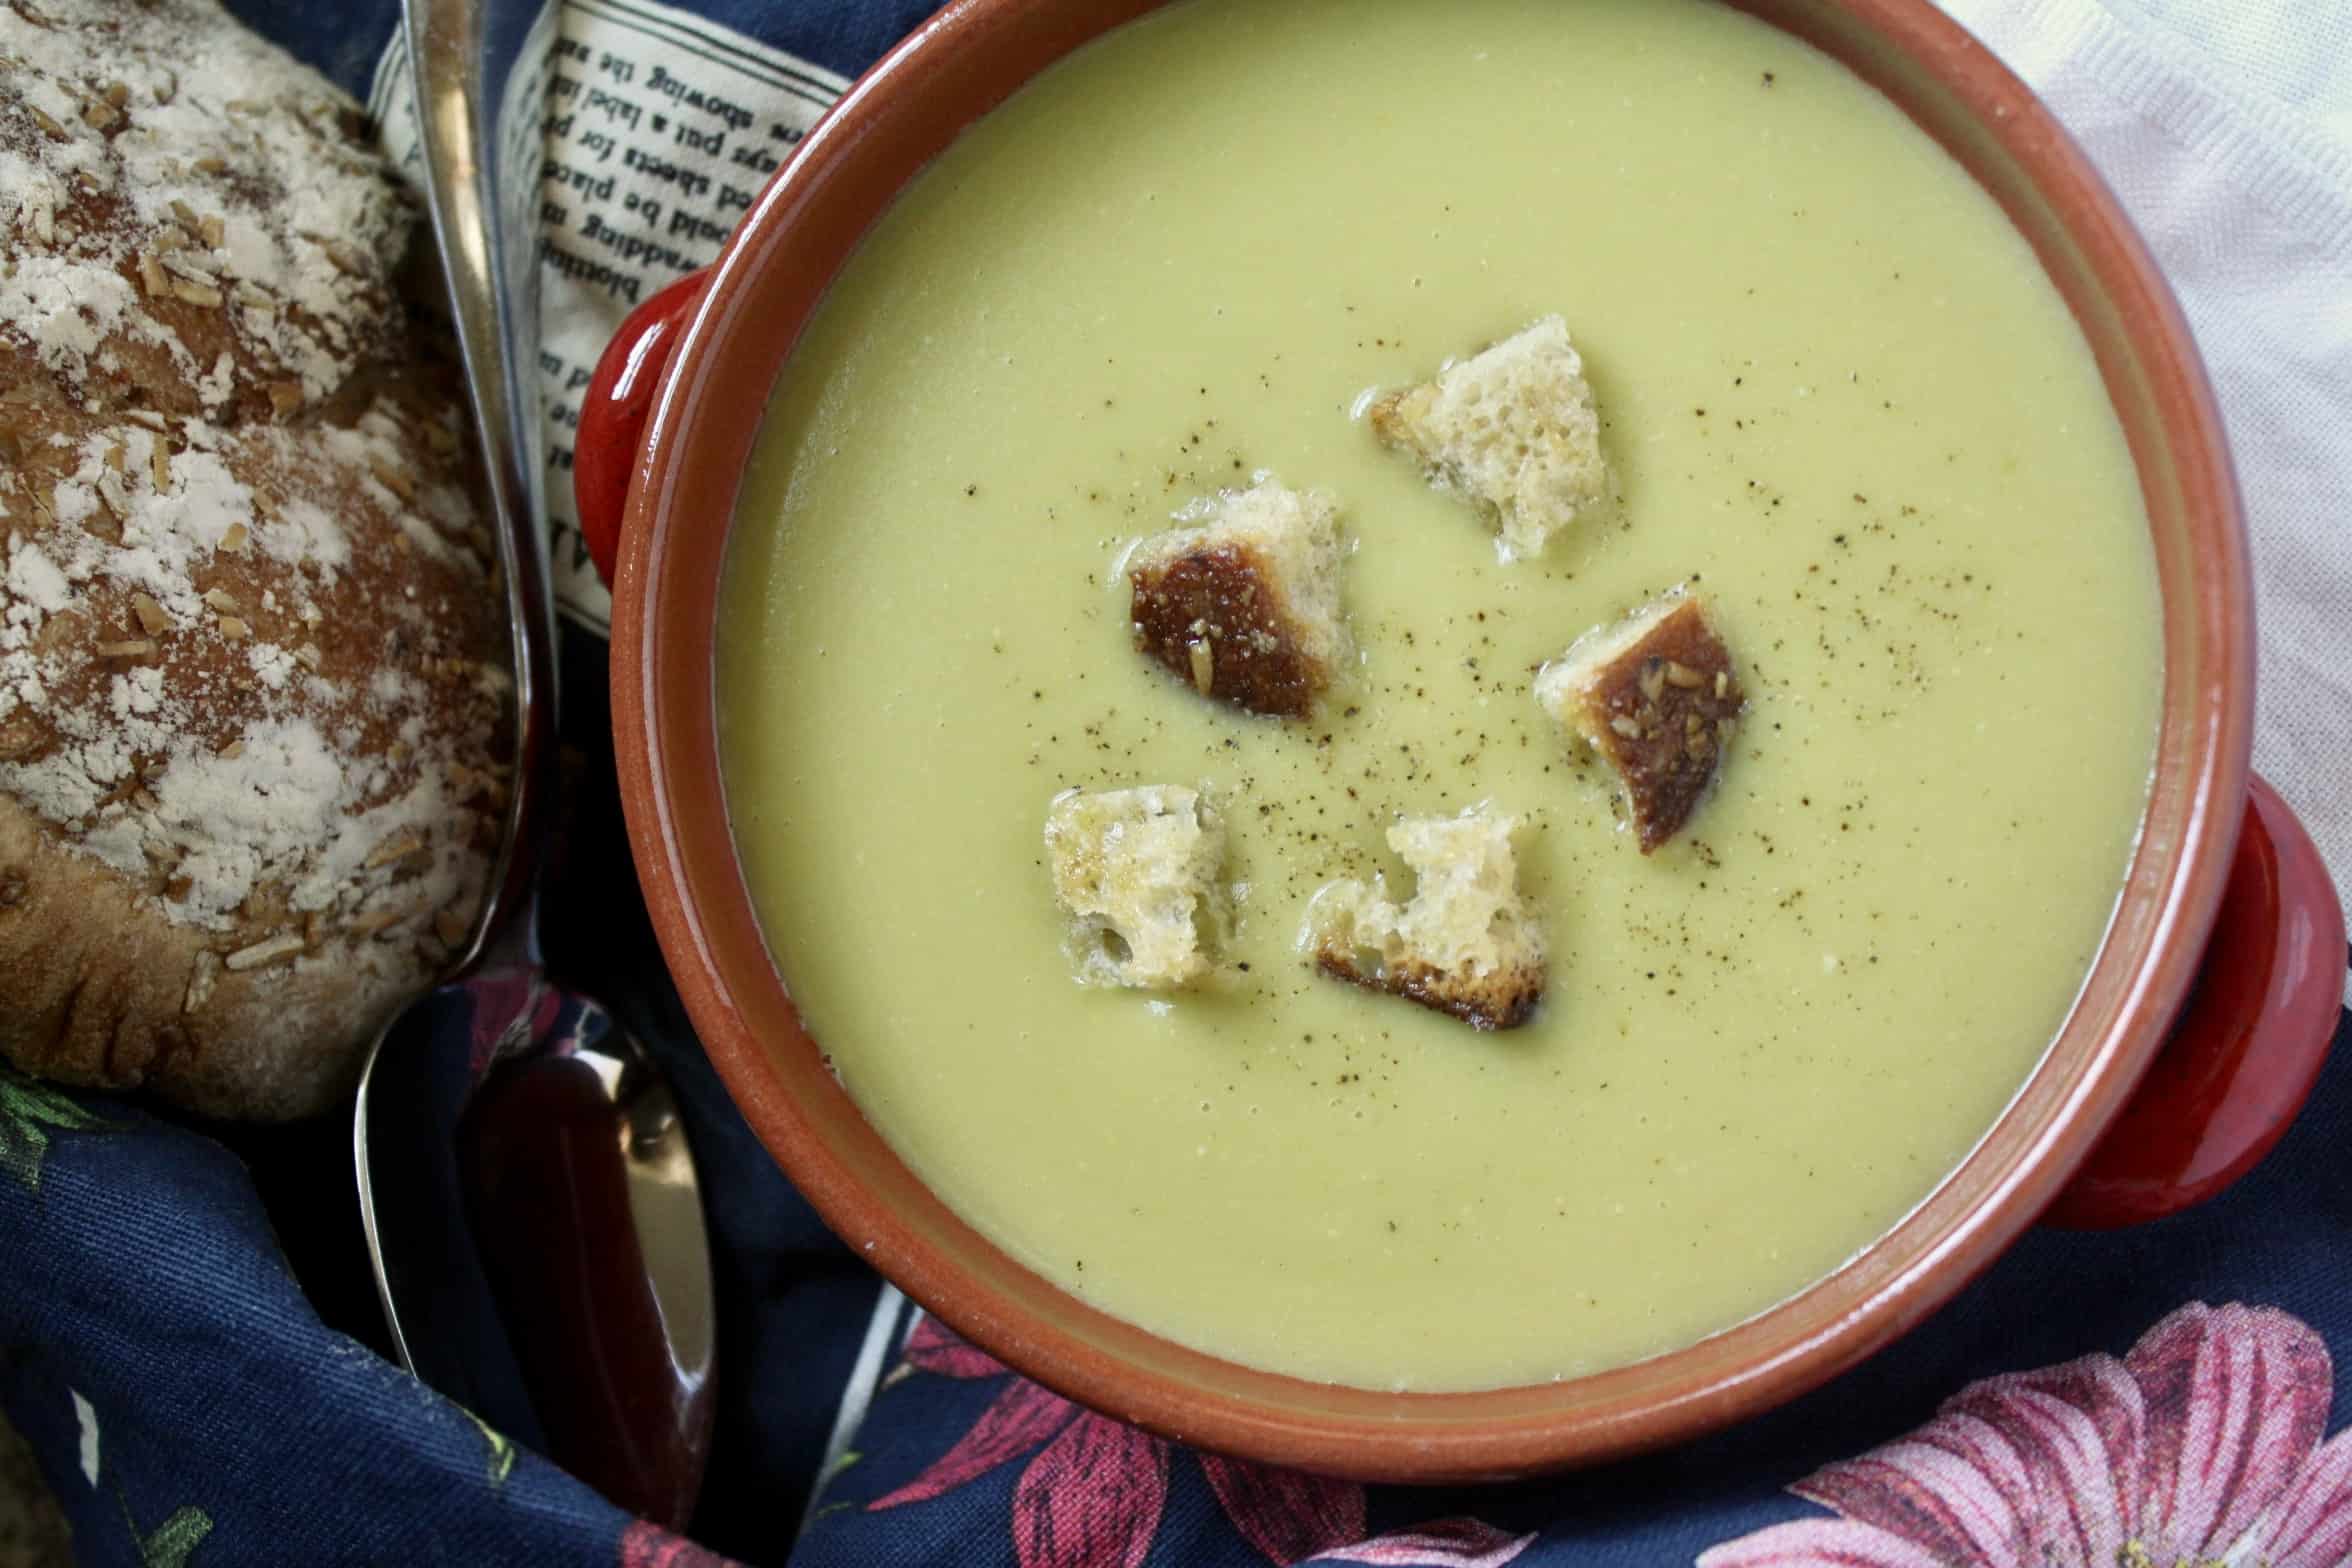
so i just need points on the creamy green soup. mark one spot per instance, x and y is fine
(1839, 395)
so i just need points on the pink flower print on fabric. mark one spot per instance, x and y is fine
(2201, 1448)
(1093, 1494)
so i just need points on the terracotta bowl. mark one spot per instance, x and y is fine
(2223, 879)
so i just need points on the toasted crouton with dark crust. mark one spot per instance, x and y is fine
(1513, 431)
(1465, 944)
(1244, 604)
(1657, 697)
(1136, 869)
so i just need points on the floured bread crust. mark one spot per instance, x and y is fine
(254, 688)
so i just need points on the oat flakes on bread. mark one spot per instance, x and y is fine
(1513, 431)
(1465, 943)
(1136, 872)
(1242, 602)
(253, 679)
(1657, 698)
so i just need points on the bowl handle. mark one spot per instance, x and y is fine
(608, 445)
(2247, 1047)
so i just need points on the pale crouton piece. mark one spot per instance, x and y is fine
(1137, 871)
(1657, 697)
(1512, 430)
(1465, 944)
(1243, 603)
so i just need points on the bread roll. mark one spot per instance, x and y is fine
(254, 689)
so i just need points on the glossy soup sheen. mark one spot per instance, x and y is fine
(1839, 395)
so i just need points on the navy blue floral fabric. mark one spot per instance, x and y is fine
(189, 1338)
(2171, 1391)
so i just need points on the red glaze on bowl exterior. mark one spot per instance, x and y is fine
(2246, 1049)
(2231, 1079)
(614, 411)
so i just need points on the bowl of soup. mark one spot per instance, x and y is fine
(1880, 368)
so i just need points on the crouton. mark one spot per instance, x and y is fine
(1137, 871)
(1656, 696)
(1465, 944)
(1513, 431)
(1243, 604)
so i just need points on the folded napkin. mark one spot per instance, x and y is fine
(189, 1340)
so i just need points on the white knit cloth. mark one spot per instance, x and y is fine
(2226, 128)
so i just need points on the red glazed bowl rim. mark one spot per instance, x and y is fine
(705, 418)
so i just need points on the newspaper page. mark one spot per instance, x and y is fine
(659, 128)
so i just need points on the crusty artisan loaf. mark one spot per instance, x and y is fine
(1465, 944)
(1242, 601)
(254, 689)
(1513, 431)
(1656, 697)
(1136, 871)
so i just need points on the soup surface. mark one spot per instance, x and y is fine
(1838, 393)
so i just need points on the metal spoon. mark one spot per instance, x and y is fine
(525, 1183)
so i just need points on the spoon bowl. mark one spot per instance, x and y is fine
(536, 1228)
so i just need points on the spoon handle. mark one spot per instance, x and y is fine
(480, 70)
